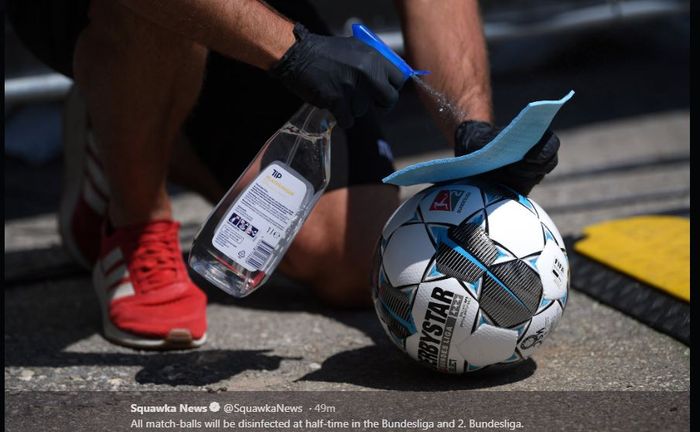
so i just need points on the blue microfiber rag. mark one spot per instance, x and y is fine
(508, 147)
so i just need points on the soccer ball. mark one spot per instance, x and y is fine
(468, 275)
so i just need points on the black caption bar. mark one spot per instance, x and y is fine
(346, 411)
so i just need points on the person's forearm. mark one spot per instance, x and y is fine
(446, 37)
(246, 30)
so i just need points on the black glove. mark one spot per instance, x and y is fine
(341, 74)
(521, 176)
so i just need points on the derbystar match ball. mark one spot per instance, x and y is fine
(469, 275)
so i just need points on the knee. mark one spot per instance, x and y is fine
(320, 258)
(346, 283)
(334, 253)
(337, 277)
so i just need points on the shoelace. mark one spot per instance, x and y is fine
(157, 259)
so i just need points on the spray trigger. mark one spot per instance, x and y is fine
(368, 37)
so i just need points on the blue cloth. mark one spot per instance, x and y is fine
(509, 146)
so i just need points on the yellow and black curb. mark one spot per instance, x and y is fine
(640, 266)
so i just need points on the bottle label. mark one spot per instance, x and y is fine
(261, 217)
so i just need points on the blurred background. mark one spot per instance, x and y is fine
(625, 59)
(625, 151)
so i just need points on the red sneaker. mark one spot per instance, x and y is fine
(85, 192)
(147, 298)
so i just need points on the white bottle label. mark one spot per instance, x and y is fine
(261, 216)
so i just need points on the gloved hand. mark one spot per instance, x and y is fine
(521, 176)
(341, 74)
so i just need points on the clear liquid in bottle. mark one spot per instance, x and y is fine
(248, 232)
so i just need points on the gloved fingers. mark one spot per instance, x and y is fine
(551, 164)
(383, 93)
(388, 100)
(536, 167)
(395, 76)
(545, 148)
(521, 184)
(374, 80)
(521, 176)
(472, 135)
(342, 112)
(359, 104)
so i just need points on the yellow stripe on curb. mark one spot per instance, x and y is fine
(652, 249)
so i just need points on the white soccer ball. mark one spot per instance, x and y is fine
(469, 275)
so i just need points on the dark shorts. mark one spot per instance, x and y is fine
(239, 107)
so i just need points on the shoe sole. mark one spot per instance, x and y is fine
(177, 339)
(74, 142)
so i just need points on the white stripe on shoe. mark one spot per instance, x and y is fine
(111, 259)
(111, 278)
(116, 271)
(124, 289)
(91, 143)
(93, 199)
(114, 277)
(96, 175)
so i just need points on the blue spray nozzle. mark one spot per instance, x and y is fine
(368, 37)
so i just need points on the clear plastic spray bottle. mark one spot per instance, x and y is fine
(248, 232)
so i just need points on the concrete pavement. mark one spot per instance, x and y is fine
(282, 338)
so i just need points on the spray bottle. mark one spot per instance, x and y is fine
(246, 235)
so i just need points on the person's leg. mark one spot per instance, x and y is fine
(334, 251)
(139, 82)
(188, 171)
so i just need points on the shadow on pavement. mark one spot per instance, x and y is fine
(384, 367)
(199, 368)
(379, 366)
(279, 294)
(42, 320)
(31, 266)
(191, 368)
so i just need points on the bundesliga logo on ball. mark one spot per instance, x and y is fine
(469, 275)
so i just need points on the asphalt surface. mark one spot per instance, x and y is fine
(281, 338)
(625, 151)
